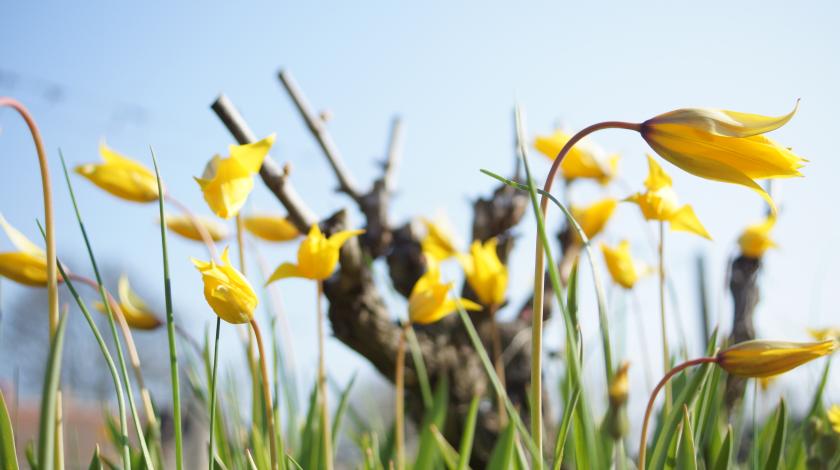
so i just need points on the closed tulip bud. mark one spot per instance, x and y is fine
(430, 300)
(121, 176)
(135, 311)
(227, 291)
(486, 274)
(584, 160)
(185, 227)
(760, 358)
(271, 228)
(317, 256)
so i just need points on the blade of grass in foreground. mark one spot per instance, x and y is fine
(8, 456)
(170, 327)
(46, 430)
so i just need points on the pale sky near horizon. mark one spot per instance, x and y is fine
(139, 75)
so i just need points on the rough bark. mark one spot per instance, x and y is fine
(743, 283)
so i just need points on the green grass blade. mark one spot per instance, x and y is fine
(687, 452)
(420, 368)
(46, 429)
(724, 456)
(465, 448)
(8, 456)
(96, 460)
(342, 408)
(213, 381)
(450, 455)
(501, 458)
(563, 432)
(774, 459)
(427, 453)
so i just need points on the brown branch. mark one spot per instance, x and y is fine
(392, 160)
(275, 178)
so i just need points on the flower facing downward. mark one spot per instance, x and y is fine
(582, 161)
(317, 256)
(271, 228)
(438, 242)
(430, 300)
(759, 358)
(226, 290)
(593, 218)
(184, 226)
(27, 265)
(486, 274)
(756, 238)
(723, 145)
(660, 202)
(121, 176)
(136, 312)
(227, 182)
(624, 270)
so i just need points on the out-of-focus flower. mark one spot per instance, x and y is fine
(438, 241)
(227, 182)
(822, 334)
(723, 145)
(593, 218)
(620, 388)
(317, 256)
(486, 274)
(430, 300)
(582, 161)
(135, 311)
(660, 202)
(226, 290)
(834, 418)
(121, 176)
(271, 227)
(185, 227)
(760, 358)
(624, 270)
(756, 238)
(27, 265)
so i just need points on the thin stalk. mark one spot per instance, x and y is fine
(170, 329)
(138, 427)
(250, 347)
(420, 367)
(666, 355)
(677, 369)
(201, 229)
(322, 384)
(268, 407)
(498, 363)
(212, 449)
(399, 399)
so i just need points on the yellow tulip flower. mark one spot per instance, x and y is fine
(317, 256)
(582, 161)
(136, 313)
(834, 418)
(756, 238)
(184, 226)
(822, 334)
(486, 274)
(723, 145)
(271, 228)
(430, 300)
(438, 241)
(227, 182)
(624, 270)
(593, 218)
(760, 358)
(121, 176)
(27, 265)
(226, 290)
(660, 202)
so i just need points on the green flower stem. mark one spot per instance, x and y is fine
(170, 330)
(212, 450)
(666, 355)
(322, 384)
(497, 362)
(420, 367)
(269, 408)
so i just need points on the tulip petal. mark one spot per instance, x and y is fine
(251, 156)
(657, 178)
(685, 220)
(723, 122)
(19, 240)
(339, 238)
(285, 270)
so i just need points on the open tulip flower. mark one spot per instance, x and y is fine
(760, 358)
(317, 256)
(582, 162)
(28, 264)
(227, 182)
(594, 218)
(135, 311)
(438, 241)
(660, 202)
(755, 239)
(121, 176)
(624, 270)
(185, 227)
(226, 290)
(430, 300)
(486, 274)
(271, 227)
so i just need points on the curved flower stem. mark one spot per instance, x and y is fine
(539, 272)
(326, 433)
(666, 354)
(399, 399)
(652, 400)
(201, 229)
(269, 408)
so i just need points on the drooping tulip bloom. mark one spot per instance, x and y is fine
(271, 227)
(28, 264)
(660, 202)
(226, 290)
(185, 227)
(723, 145)
(760, 358)
(430, 300)
(317, 256)
(438, 242)
(486, 274)
(755, 239)
(594, 218)
(584, 160)
(121, 176)
(135, 311)
(227, 182)
(624, 270)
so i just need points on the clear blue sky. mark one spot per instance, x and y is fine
(140, 75)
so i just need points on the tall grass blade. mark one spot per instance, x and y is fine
(427, 453)
(450, 455)
(563, 431)
(342, 409)
(687, 452)
(8, 456)
(465, 448)
(724, 456)
(96, 460)
(774, 458)
(501, 458)
(46, 429)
